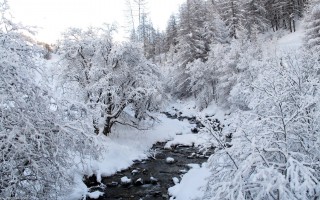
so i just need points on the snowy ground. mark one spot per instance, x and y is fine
(292, 41)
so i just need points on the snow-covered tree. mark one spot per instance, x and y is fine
(248, 65)
(206, 78)
(255, 16)
(171, 33)
(232, 14)
(191, 42)
(215, 30)
(202, 82)
(312, 35)
(36, 145)
(283, 13)
(274, 152)
(109, 78)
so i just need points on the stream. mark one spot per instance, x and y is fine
(150, 179)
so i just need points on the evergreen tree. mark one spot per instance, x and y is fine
(215, 30)
(255, 20)
(233, 16)
(191, 42)
(171, 33)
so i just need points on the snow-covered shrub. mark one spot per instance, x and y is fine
(249, 65)
(275, 146)
(214, 79)
(312, 36)
(202, 82)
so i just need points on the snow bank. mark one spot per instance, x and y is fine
(192, 185)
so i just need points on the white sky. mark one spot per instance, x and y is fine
(54, 16)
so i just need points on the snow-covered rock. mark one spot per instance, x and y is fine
(167, 147)
(175, 180)
(95, 194)
(153, 180)
(135, 171)
(125, 180)
(170, 160)
(139, 182)
(112, 184)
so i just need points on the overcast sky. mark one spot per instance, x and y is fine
(54, 16)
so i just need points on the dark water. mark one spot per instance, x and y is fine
(142, 185)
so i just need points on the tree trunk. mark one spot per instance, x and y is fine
(108, 123)
(290, 26)
(234, 21)
(107, 126)
(294, 25)
(96, 128)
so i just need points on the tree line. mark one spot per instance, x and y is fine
(195, 23)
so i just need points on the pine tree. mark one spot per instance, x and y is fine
(171, 33)
(192, 44)
(255, 16)
(215, 30)
(232, 14)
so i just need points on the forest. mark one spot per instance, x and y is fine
(87, 106)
